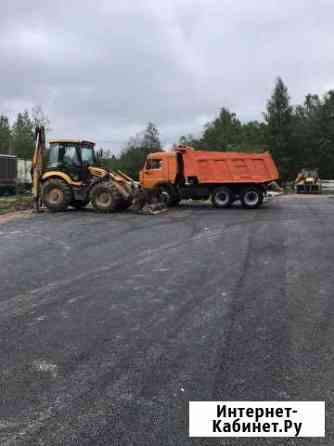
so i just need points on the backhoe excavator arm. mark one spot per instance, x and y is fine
(37, 166)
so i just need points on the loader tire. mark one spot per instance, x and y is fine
(57, 195)
(251, 197)
(222, 197)
(105, 198)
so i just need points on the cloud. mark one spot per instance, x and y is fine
(102, 70)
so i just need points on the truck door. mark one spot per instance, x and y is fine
(154, 172)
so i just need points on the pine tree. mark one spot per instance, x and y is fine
(134, 154)
(224, 133)
(305, 133)
(190, 140)
(39, 118)
(324, 130)
(279, 117)
(23, 136)
(4, 135)
(151, 138)
(253, 137)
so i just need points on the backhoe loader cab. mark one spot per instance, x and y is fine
(72, 157)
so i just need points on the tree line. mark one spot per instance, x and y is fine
(298, 137)
(19, 139)
(133, 155)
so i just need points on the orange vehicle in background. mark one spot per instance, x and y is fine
(225, 177)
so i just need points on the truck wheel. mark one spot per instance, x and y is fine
(251, 197)
(222, 197)
(165, 194)
(104, 197)
(57, 195)
(176, 201)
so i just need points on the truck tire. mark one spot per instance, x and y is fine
(57, 195)
(176, 201)
(166, 194)
(222, 197)
(105, 198)
(251, 197)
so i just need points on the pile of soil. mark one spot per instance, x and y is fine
(23, 206)
(15, 204)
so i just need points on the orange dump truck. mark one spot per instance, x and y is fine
(225, 177)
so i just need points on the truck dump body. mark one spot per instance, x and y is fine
(229, 167)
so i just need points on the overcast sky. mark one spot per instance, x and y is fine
(102, 69)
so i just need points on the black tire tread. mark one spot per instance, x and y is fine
(226, 189)
(67, 190)
(118, 202)
(169, 189)
(251, 188)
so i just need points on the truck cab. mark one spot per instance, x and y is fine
(159, 168)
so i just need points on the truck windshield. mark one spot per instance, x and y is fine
(87, 155)
(153, 164)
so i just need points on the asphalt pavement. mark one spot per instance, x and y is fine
(110, 324)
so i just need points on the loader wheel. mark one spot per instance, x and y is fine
(222, 197)
(57, 195)
(105, 198)
(79, 204)
(251, 197)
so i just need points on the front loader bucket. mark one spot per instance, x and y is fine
(143, 201)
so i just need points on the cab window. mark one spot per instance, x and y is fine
(53, 156)
(71, 156)
(153, 164)
(87, 155)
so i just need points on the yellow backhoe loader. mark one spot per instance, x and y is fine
(68, 175)
(308, 182)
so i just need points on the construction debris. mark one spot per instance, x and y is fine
(147, 202)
